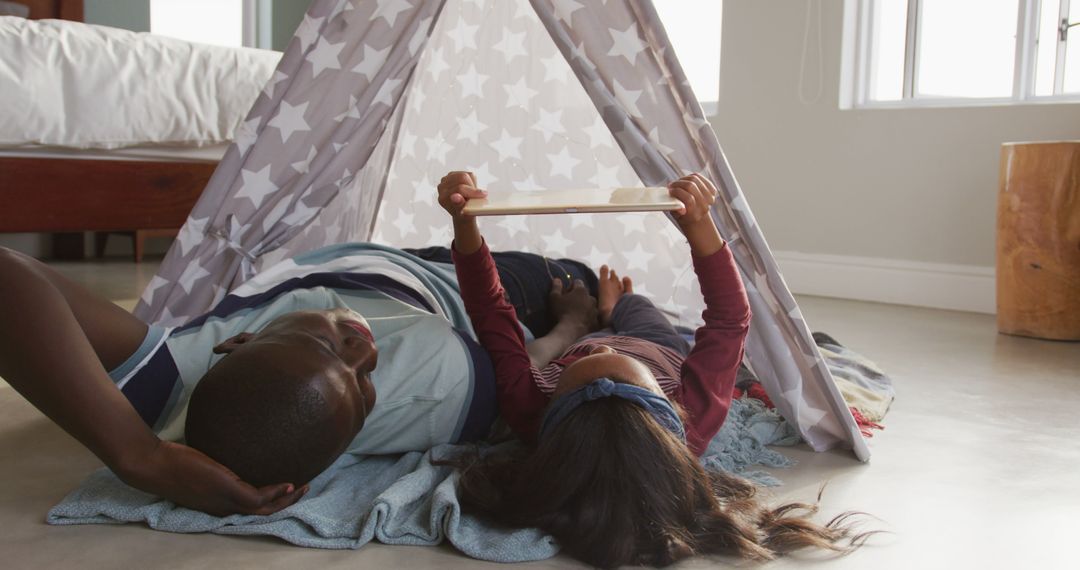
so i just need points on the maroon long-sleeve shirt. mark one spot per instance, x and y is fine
(702, 383)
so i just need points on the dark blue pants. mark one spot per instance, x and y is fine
(637, 317)
(527, 279)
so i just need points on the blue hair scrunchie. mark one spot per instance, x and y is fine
(657, 406)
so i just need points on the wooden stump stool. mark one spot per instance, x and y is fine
(1038, 240)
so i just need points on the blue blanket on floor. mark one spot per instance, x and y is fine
(400, 499)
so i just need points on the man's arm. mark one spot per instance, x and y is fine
(56, 341)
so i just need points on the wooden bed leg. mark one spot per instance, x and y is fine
(101, 239)
(139, 243)
(68, 246)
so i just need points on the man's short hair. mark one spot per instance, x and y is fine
(266, 425)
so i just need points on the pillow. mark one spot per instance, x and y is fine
(14, 9)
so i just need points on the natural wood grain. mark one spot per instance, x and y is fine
(1038, 240)
(71, 195)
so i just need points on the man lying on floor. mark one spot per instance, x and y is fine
(300, 385)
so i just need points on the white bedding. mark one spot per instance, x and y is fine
(78, 85)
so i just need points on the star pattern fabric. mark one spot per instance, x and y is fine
(375, 100)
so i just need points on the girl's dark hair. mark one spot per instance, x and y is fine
(616, 488)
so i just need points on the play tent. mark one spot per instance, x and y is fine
(374, 100)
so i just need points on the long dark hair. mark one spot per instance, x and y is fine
(616, 488)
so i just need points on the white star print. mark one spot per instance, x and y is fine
(437, 149)
(420, 35)
(528, 185)
(637, 258)
(425, 190)
(555, 244)
(599, 134)
(596, 258)
(332, 232)
(693, 121)
(440, 235)
(386, 92)
(256, 186)
(605, 177)
(191, 234)
(192, 273)
(246, 134)
(519, 94)
(407, 145)
(277, 78)
(289, 119)
(472, 83)
(627, 43)
(275, 214)
(654, 138)
(151, 288)
(525, 10)
(627, 98)
(562, 164)
(463, 36)
(483, 175)
(633, 222)
(372, 61)
(511, 45)
(416, 99)
(351, 111)
(324, 56)
(301, 214)
(437, 64)
(470, 127)
(555, 68)
(582, 220)
(805, 415)
(389, 10)
(308, 31)
(550, 123)
(513, 225)
(564, 9)
(404, 223)
(508, 146)
(579, 54)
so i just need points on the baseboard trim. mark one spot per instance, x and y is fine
(937, 285)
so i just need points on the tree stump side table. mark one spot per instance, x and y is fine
(1038, 240)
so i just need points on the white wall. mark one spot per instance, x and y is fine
(861, 188)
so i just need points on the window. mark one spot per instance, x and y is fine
(934, 52)
(694, 31)
(218, 22)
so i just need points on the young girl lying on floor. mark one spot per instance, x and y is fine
(616, 422)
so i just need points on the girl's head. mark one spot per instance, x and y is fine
(613, 481)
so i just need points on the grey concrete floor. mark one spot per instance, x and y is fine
(978, 467)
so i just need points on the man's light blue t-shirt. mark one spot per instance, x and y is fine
(434, 383)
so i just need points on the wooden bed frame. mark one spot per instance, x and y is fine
(69, 196)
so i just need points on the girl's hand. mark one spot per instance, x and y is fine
(455, 189)
(697, 194)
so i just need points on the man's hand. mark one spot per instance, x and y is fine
(697, 194)
(573, 306)
(191, 479)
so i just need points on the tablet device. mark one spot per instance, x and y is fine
(651, 199)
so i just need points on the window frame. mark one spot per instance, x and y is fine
(856, 73)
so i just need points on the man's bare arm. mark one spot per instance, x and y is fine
(56, 340)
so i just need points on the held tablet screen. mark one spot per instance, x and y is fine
(649, 199)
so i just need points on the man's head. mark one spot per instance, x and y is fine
(286, 401)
